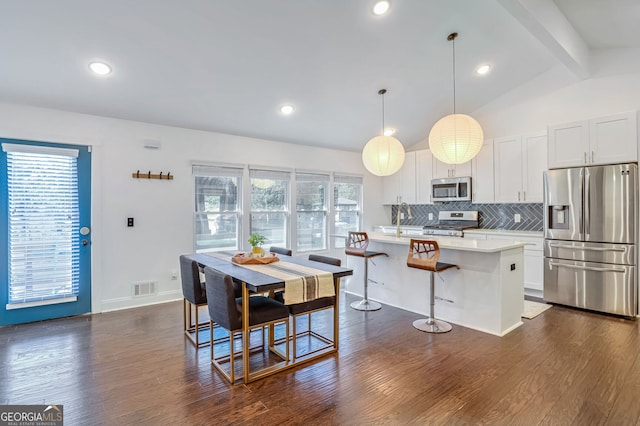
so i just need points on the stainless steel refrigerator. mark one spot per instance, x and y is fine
(590, 231)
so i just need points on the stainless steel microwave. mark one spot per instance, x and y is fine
(451, 189)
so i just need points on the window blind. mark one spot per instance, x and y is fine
(43, 223)
(352, 179)
(269, 174)
(311, 177)
(213, 170)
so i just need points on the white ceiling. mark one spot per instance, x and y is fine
(227, 65)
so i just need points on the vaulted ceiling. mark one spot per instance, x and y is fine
(228, 66)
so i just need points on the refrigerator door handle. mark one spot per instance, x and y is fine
(586, 268)
(586, 248)
(587, 202)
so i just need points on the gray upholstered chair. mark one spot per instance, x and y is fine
(195, 296)
(225, 309)
(307, 308)
(280, 250)
(357, 244)
(424, 254)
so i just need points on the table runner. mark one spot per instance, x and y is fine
(301, 283)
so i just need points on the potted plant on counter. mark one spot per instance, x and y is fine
(256, 240)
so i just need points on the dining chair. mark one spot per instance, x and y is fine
(307, 308)
(424, 254)
(281, 250)
(194, 296)
(225, 309)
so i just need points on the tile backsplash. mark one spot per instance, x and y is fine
(491, 216)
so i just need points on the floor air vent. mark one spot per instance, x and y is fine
(144, 288)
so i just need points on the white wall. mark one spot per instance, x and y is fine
(162, 209)
(580, 100)
(556, 97)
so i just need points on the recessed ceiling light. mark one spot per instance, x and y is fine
(381, 7)
(483, 69)
(286, 109)
(389, 131)
(100, 68)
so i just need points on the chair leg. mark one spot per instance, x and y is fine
(191, 329)
(295, 337)
(197, 335)
(366, 304)
(431, 324)
(232, 358)
(287, 341)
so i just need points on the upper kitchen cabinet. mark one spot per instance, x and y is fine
(400, 187)
(519, 163)
(443, 170)
(534, 146)
(605, 140)
(424, 174)
(482, 174)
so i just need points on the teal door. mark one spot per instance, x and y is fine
(45, 231)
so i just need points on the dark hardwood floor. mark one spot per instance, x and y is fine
(565, 367)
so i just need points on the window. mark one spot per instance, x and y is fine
(44, 219)
(311, 210)
(217, 215)
(269, 205)
(347, 203)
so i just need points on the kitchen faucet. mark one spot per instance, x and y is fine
(398, 214)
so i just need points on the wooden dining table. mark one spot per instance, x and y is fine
(255, 281)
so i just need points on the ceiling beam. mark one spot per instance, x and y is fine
(548, 24)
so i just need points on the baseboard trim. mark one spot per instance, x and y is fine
(120, 303)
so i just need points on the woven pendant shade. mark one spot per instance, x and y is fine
(383, 155)
(455, 139)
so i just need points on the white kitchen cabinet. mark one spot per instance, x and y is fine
(534, 148)
(533, 261)
(424, 174)
(507, 154)
(443, 170)
(400, 187)
(482, 174)
(568, 144)
(614, 139)
(604, 140)
(519, 163)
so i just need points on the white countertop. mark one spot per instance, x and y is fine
(450, 243)
(506, 233)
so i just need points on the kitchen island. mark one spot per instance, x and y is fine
(486, 294)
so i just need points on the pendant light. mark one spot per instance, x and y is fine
(456, 138)
(383, 155)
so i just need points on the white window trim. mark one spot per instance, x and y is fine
(44, 302)
(36, 149)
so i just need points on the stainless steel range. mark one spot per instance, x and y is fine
(453, 223)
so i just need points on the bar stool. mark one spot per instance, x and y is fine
(357, 246)
(424, 254)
